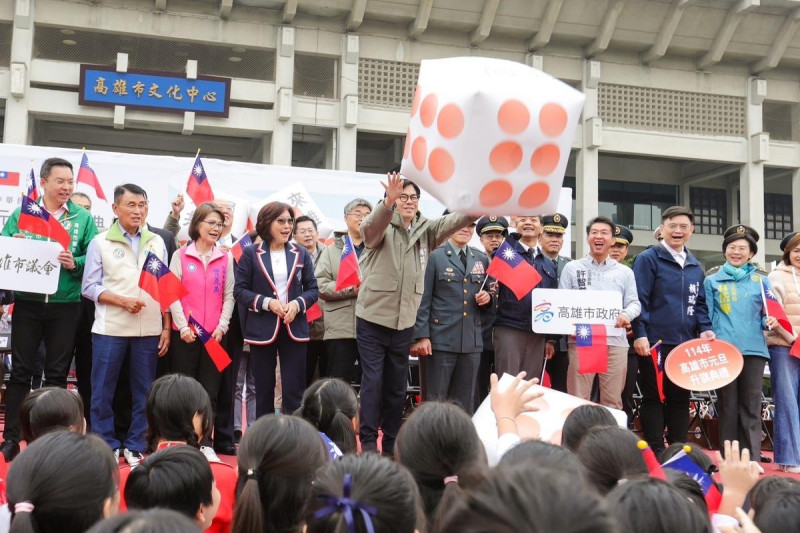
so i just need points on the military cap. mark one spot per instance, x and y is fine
(740, 231)
(787, 238)
(492, 223)
(556, 223)
(622, 235)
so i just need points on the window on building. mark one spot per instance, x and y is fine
(778, 118)
(634, 204)
(315, 76)
(6, 29)
(710, 208)
(778, 215)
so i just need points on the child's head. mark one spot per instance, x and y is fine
(581, 420)
(178, 478)
(331, 406)
(766, 487)
(384, 490)
(150, 521)
(610, 454)
(690, 488)
(441, 448)
(278, 459)
(57, 475)
(178, 409)
(50, 408)
(544, 455)
(531, 499)
(655, 506)
(780, 512)
(700, 458)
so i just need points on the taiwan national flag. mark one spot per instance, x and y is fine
(87, 176)
(215, 350)
(510, 268)
(9, 178)
(590, 343)
(683, 462)
(314, 312)
(33, 218)
(658, 365)
(198, 188)
(349, 272)
(238, 248)
(159, 282)
(772, 307)
(31, 191)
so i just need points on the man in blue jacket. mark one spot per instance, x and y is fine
(669, 280)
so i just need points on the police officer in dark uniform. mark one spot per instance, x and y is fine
(492, 231)
(448, 331)
(551, 241)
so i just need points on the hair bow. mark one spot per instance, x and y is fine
(346, 506)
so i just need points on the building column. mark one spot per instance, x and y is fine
(751, 175)
(348, 90)
(586, 164)
(18, 125)
(281, 145)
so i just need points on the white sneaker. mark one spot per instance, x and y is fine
(789, 469)
(115, 451)
(210, 454)
(133, 458)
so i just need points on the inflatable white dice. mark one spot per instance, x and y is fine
(490, 135)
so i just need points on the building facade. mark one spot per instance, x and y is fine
(694, 102)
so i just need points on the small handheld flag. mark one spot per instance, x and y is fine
(314, 312)
(198, 188)
(33, 218)
(86, 175)
(795, 350)
(215, 350)
(683, 462)
(159, 282)
(238, 247)
(658, 366)
(349, 272)
(31, 191)
(590, 344)
(650, 460)
(772, 307)
(510, 268)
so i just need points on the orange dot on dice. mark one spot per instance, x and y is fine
(407, 145)
(552, 119)
(450, 121)
(496, 192)
(534, 195)
(427, 111)
(545, 159)
(505, 157)
(415, 103)
(513, 117)
(419, 152)
(441, 165)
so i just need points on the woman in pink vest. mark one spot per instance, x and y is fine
(207, 273)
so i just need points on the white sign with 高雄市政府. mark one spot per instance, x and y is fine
(557, 311)
(27, 265)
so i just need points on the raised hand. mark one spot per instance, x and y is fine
(393, 187)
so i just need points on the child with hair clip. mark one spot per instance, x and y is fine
(63, 482)
(331, 405)
(278, 459)
(179, 414)
(363, 494)
(48, 409)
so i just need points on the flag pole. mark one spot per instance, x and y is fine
(544, 366)
(484, 282)
(763, 297)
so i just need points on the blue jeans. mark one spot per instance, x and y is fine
(108, 353)
(785, 373)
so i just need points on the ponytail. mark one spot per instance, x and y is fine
(331, 405)
(248, 515)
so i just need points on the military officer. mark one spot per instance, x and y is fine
(448, 331)
(623, 237)
(552, 240)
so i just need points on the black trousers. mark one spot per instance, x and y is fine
(293, 373)
(557, 367)
(672, 414)
(739, 405)
(485, 369)
(54, 323)
(316, 356)
(631, 375)
(193, 360)
(342, 357)
(83, 355)
(384, 381)
(233, 343)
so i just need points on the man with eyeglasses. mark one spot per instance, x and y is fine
(306, 234)
(126, 318)
(340, 306)
(398, 240)
(669, 280)
(49, 317)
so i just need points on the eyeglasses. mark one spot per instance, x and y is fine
(305, 231)
(359, 216)
(214, 224)
(284, 221)
(682, 227)
(406, 197)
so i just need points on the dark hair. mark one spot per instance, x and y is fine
(655, 506)
(582, 419)
(544, 455)
(47, 409)
(530, 499)
(178, 478)
(677, 211)
(437, 441)
(766, 487)
(172, 402)
(278, 458)
(51, 162)
(688, 487)
(303, 218)
(780, 513)
(267, 215)
(330, 405)
(791, 244)
(610, 454)
(67, 477)
(149, 521)
(601, 220)
(120, 190)
(751, 242)
(406, 183)
(374, 481)
(200, 214)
